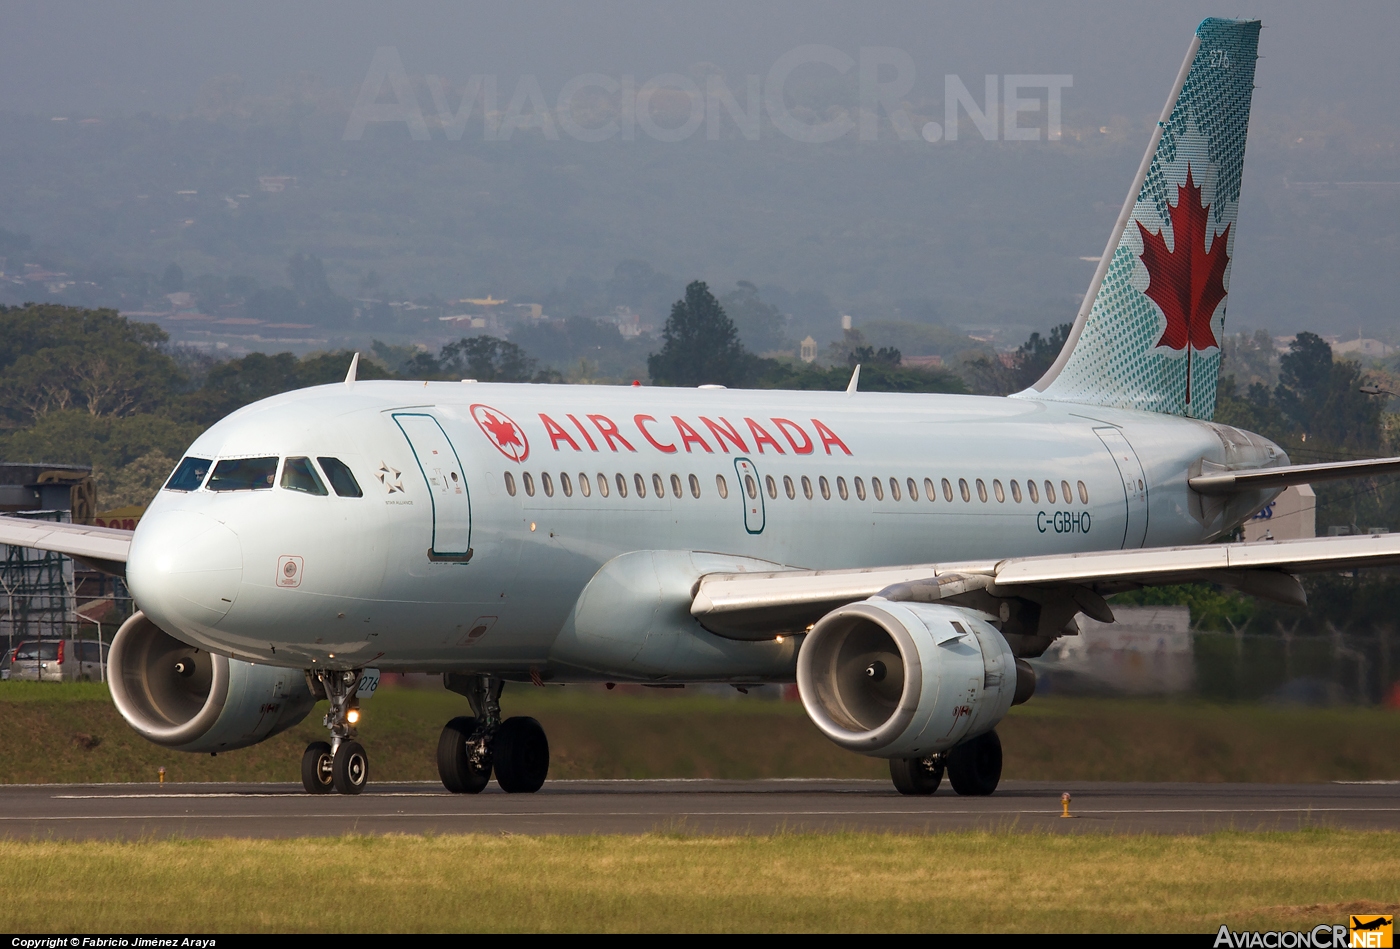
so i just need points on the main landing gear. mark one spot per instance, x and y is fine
(974, 768)
(472, 746)
(341, 764)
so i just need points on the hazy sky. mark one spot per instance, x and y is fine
(63, 57)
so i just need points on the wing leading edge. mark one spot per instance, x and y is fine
(788, 600)
(104, 548)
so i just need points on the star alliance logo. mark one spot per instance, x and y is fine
(391, 478)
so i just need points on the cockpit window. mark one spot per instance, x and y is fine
(338, 473)
(298, 475)
(189, 475)
(243, 474)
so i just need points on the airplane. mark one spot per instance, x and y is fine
(899, 556)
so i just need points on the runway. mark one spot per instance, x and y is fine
(127, 811)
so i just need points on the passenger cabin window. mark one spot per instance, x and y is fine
(879, 489)
(602, 485)
(1034, 493)
(547, 483)
(566, 485)
(1016, 491)
(894, 489)
(675, 485)
(585, 487)
(343, 483)
(1066, 493)
(1049, 493)
(298, 475)
(807, 487)
(1083, 493)
(860, 488)
(772, 486)
(721, 486)
(189, 475)
(788, 488)
(947, 490)
(694, 486)
(841, 488)
(510, 484)
(913, 489)
(243, 474)
(930, 490)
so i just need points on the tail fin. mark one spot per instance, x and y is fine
(1148, 334)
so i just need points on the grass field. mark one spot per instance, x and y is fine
(65, 733)
(976, 882)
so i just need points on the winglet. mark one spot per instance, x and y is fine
(855, 380)
(354, 364)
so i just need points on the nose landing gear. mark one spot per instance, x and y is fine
(341, 764)
(470, 747)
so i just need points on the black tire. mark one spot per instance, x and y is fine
(521, 755)
(350, 771)
(915, 775)
(974, 767)
(454, 765)
(316, 764)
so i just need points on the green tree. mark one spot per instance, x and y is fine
(760, 325)
(55, 357)
(486, 359)
(699, 344)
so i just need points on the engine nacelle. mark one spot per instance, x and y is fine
(907, 680)
(191, 700)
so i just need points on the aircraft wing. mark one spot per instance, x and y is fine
(788, 600)
(104, 548)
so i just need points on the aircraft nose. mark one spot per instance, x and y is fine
(184, 569)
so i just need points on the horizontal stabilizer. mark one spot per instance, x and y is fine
(1255, 479)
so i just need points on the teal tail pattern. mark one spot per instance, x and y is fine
(1148, 335)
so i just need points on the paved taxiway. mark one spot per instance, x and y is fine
(633, 807)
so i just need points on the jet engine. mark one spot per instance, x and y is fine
(189, 699)
(908, 680)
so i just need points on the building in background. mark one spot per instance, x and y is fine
(1148, 651)
(1290, 516)
(44, 595)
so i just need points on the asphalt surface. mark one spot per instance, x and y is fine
(125, 811)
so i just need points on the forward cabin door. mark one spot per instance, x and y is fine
(447, 486)
(1134, 485)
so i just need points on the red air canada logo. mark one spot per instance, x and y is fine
(1187, 282)
(508, 437)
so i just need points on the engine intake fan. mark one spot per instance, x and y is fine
(907, 680)
(191, 700)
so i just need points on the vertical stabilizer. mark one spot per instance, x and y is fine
(1148, 334)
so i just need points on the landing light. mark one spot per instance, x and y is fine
(352, 716)
(777, 639)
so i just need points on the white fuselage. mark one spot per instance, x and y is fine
(439, 546)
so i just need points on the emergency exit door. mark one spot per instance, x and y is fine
(751, 493)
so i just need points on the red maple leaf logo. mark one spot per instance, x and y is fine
(1188, 283)
(508, 437)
